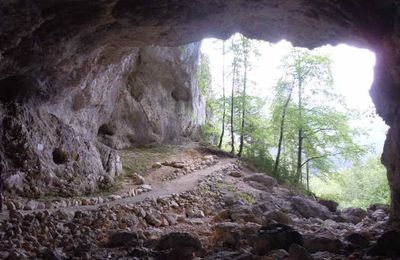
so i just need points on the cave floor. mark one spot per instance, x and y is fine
(191, 203)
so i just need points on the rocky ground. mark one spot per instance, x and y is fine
(203, 206)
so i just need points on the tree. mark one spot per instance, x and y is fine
(281, 87)
(221, 138)
(312, 129)
(204, 80)
(361, 185)
(235, 69)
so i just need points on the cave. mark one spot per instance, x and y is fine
(66, 66)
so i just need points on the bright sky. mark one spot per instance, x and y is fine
(352, 70)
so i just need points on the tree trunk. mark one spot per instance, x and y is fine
(223, 96)
(243, 106)
(232, 105)
(281, 129)
(308, 175)
(300, 138)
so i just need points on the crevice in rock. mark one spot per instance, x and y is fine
(60, 156)
(106, 129)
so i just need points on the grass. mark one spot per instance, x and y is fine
(246, 197)
(139, 160)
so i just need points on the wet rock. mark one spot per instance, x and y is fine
(123, 239)
(387, 245)
(309, 208)
(353, 215)
(276, 236)
(263, 179)
(315, 243)
(137, 179)
(297, 252)
(357, 240)
(181, 242)
(330, 204)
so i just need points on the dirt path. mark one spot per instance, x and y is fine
(159, 189)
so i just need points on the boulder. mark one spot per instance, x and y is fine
(263, 179)
(153, 219)
(309, 208)
(357, 240)
(376, 206)
(228, 233)
(379, 215)
(297, 252)
(184, 243)
(156, 165)
(137, 179)
(275, 216)
(236, 174)
(315, 243)
(330, 204)
(31, 205)
(353, 215)
(276, 236)
(52, 254)
(122, 239)
(387, 245)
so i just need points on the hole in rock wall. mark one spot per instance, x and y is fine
(106, 129)
(16, 88)
(180, 95)
(60, 156)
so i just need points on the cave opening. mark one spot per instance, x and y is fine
(68, 67)
(348, 172)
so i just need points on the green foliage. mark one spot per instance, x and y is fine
(361, 185)
(204, 76)
(316, 120)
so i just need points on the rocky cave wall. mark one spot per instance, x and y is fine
(65, 145)
(49, 47)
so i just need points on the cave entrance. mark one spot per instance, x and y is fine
(288, 99)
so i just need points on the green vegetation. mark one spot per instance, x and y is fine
(139, 160)
(361, 185)
(302, 133)
(246, 197)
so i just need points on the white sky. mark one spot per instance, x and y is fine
(352, 70)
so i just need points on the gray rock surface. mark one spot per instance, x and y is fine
(65, 145)
(60, 52)
(309, 208)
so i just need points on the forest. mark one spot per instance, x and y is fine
(301, 132)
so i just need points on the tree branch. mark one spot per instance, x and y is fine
(318, 157)
(317, 131)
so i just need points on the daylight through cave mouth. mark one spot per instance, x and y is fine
(83, 83)
(336, 84)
